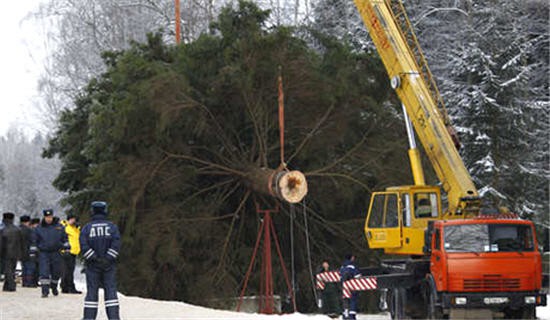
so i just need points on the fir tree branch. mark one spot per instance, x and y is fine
(340, 175)
(342, 158)
(208, 163)
(311, 133)
(221, 261)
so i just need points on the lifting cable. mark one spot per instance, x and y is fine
(308, 249)
(292, 266)
(281, 105)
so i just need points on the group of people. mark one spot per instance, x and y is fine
(43, 249)
(330, 301)
(52, 247)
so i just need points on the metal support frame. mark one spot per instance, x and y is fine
(267, 232)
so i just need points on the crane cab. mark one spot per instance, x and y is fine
(398, 217)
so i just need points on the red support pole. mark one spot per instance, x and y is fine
(268, 275)
(249, 271)
(285, 273)
(261, 300)
(281, 100)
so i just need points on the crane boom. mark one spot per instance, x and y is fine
(416, 89)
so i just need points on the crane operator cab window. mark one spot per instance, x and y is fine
(425, 205)
(383, 212)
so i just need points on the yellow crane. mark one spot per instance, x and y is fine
(464, 264)
(398, 216)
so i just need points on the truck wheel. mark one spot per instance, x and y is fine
(431, 307)
(434, 311)
(397, 303)
(526, 312)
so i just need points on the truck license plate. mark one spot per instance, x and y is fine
(495, 300)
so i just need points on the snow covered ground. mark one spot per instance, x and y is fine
(544, 312)
(26, 304)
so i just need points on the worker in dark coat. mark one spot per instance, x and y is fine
(348, 271)
(33, 254)
(28, 262)
(100, 245)
(330, 295)
(35, 222)
(50, 238)
(11, 249)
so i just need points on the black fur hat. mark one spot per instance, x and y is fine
(8, 216)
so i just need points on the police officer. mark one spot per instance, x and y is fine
(348, 271)
(33, 252)
(100, 244)
(35, 222)
(50, 238)
(11, 249)
(28, 262)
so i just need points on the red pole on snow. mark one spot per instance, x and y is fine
(267, 295)
(285, 273)
(249, 271)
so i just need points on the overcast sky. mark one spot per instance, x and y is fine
(23, 50)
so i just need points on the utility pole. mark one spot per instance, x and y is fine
(178, 24)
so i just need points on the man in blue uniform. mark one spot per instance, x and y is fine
(348, 271)
(49, 238)
(33, 252)
(100, 244)
(28, 260)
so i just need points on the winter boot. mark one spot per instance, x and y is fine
(53, 286)
(112, 306)
(45, 290)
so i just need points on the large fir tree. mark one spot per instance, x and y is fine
(167, 134)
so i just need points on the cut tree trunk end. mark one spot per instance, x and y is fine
(289, 186)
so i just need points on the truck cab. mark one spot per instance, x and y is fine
(486, 263)
(397, 218)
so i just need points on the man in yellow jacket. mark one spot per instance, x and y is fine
(72, 229)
